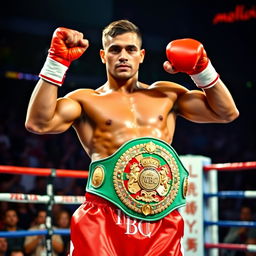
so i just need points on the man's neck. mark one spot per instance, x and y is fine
(125, 86)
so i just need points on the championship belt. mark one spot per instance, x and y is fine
(144, 178)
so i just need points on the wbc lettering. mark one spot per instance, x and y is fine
(132, 226)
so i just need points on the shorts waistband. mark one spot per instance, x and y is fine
(97, 199)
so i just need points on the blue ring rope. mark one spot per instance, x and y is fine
(229, 223)
(229, 194)
(21, 233)
(232, 194)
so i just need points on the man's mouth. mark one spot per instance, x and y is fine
(123, 66)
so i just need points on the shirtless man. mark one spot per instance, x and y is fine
(116, 122)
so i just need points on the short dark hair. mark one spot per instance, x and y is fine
(9, 210)
(120, 27)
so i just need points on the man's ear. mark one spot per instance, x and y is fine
(142, 55)
(102, 56)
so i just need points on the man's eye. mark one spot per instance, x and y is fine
(114, 49)
(132, 49)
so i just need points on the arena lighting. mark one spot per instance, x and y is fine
(240, 13)
(20, 76)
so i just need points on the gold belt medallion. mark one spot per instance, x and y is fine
(98, 176)
(146, 178)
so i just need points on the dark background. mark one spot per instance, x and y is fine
(26, 28)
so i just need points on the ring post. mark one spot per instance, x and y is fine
(48, 224)
(193, 212)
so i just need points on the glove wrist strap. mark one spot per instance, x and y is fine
(53, 71)
(207, 78)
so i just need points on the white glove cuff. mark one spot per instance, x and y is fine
(207, 78)
(53, 72)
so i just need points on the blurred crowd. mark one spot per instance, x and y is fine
(19, 218)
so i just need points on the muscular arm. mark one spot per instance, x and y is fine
(214, 103)
(46, 113)
(211, 105)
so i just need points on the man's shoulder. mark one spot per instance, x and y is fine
(83, 91)
(35, 227)
(166, 86)
(79, 94)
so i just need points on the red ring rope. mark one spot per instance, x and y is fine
(43, 171)
(231, 166)
(84, 174)
(241, 247)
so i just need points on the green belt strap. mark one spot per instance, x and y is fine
(144, 178)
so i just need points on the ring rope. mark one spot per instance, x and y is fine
(84, 174)
(230, 223)
(242, 247)
(231, 166)
(43, 171)
(232, 194)
(22, 233)
(38, 199)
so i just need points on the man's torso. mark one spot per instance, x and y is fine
(111, 118)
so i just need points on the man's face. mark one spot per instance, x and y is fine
(122, 55)
(41, 217)
(3, 245)
(11, 218)
(64, 220)
(246, 214)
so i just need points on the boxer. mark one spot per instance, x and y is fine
(136, 181)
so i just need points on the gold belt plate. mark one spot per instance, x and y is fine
(146, 178)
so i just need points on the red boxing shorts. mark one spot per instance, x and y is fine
(99, 228)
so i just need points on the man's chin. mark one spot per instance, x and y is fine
(123, 76)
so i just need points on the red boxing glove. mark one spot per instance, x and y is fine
(188, 56)
(66, 45)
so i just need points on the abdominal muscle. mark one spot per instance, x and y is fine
(104, 143)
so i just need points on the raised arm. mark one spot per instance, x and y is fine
(214, 103)
(46, 113)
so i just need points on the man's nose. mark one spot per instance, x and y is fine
(123, 56)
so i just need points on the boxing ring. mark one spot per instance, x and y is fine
(200, 214)
(49, 199)
(231, 194)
